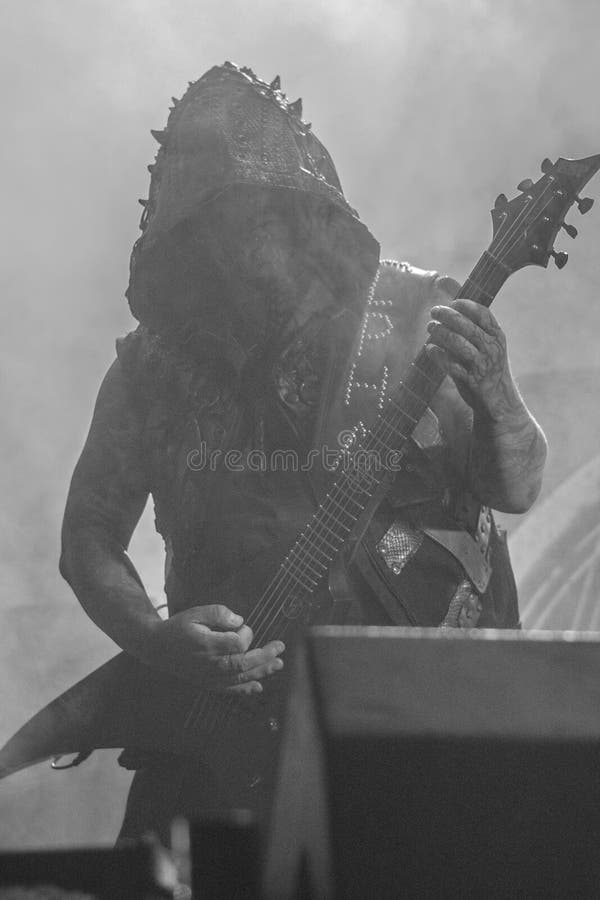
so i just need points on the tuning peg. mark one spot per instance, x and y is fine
(547, 166)
(570, 229)
(584, 204)
(560, 258)
(501, 201)
(525, 185)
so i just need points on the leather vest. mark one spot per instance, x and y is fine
(228, 451)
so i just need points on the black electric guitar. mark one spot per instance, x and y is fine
(126, 704)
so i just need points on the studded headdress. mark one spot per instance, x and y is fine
(229, 128)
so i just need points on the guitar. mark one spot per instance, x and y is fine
(126, 704)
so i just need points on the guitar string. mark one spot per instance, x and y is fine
(492, 261)
(319, 527)
(203, 699)
(340, 494)
(224, 704)
(485, 268)
(281, 580)
(285, 625)
(392, 427)
(483, 278)
(490, 265)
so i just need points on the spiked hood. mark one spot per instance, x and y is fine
(230, 128)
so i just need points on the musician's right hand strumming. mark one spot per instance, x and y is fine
(209, 644)
(206, 645)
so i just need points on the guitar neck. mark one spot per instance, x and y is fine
(485, 280)
(287, 597)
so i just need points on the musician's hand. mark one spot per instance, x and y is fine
(469, 345)
(209, 646)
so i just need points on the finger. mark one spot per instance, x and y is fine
(459, 373)
(448, 365)
(444, 361)
(447, 287)
(478, 314)
(217, 644)
(456, 321)
(262, 671)
(251, 688)
(439, 355)
(255, 674)
(253, 659)
(245, 635)
(217, 616)
(455, 344)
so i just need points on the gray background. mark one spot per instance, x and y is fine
(429, 109)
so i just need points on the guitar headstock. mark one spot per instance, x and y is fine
(526, 226)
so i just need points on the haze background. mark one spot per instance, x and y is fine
(429, 109)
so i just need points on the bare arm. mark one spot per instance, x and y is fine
(507, 459)
(105, 501)
(508, 449)
(206, 644)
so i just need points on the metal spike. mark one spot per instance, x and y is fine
(174, 101)
(296, 107)
(142, 202)
(160, 136)
(276, 84)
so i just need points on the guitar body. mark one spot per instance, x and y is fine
(125, 704)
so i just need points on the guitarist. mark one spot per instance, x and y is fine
(269, 335)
